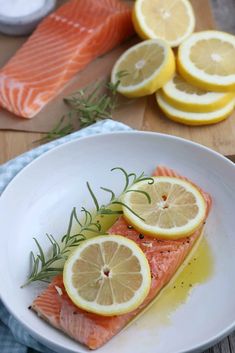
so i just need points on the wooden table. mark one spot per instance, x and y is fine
(13, 143)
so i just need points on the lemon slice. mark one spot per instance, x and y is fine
(176, 210)
(171, 20)
(144, 68)
(107, 275)
(184, 96)
(206, 60)
(189, 118)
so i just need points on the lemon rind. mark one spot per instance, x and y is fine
(191, 102)
(192, 118)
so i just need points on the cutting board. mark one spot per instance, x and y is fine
(221, 136)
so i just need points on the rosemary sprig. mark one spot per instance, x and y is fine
(88, 106)
(63, 128)
(45, 267)
(130, 180)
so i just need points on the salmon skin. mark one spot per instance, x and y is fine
(63, 44)
(92, 330)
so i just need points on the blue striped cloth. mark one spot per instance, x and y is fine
(13, 337)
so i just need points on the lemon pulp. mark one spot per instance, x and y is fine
(107, 275)
(206, 60)
(176, 209)
(144, 68)
(171, 20)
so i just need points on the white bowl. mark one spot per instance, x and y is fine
(25, 24)
(39, 201)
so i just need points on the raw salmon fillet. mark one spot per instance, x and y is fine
(92, 330)
(64, 43)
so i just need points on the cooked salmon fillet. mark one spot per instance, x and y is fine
(92, 330)
(64, 43)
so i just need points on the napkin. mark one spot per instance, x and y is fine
(14, 338)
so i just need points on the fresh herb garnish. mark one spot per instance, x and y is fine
(63, 128)
(88, 106)
(45, 267)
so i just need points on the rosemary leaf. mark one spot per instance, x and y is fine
(93, 197)
(125, 174)
(41, 254)
(130, 209)
(106, 211)
(141, 192)
(110, 191)
(63, 128)
(88, 216)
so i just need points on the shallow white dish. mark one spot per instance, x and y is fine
(23, 25)
(39, 201)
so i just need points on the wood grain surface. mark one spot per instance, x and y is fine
(15, 143)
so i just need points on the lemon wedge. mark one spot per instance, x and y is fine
(190, 118)
(184, 96)
(171, 20)
(144, 68)
(107, 275)
(176, 210)
(206, 60)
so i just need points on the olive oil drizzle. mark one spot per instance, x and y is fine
(197, 270)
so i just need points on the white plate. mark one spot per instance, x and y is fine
(39, 201)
